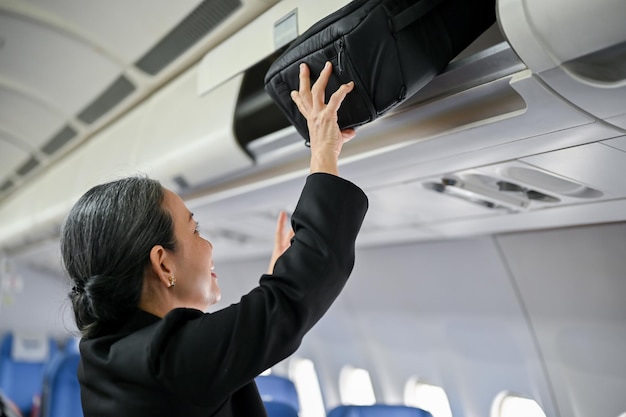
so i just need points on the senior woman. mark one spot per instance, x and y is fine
(143, 278)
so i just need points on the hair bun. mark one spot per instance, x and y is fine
(104, 307)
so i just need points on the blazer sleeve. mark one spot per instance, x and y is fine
(206, 357)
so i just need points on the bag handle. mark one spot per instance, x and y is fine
(412, 13)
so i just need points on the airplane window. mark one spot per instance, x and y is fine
(355, 386)
(511, 405)
(303, 374)
(429, 397)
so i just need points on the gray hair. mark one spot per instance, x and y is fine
(105, 245)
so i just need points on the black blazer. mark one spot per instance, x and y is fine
(191, 363)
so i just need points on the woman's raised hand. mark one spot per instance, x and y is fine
(282, 240)
(325, 136)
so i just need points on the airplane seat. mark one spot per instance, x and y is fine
(71, 345)
(278, 409)
(278, 389)
(23, 359)
(61, 393)
(377, 410)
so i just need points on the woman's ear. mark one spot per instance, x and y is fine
(162, 265)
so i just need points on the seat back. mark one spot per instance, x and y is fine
(278, 389)
(377, 410)
(276, 409)
(61, 394)
(22, 362)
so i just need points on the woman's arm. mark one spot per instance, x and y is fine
(206, 357)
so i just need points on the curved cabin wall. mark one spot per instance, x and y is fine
(537, 313)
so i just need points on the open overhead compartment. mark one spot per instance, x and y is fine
(488, 96)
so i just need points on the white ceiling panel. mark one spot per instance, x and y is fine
(75, 72)
(619, 121)
(138, 23)
(412, 204)
(239, 236)
(31, 121)
(45, 257)
(618, 143)
(601, 102)
(11, 158)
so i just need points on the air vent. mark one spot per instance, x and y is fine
(28, 166)
(458, 189)
(524, 193)
(206, 17)
(6, 185)
(181, 182)
(111, 97)
(65, 135)
(492, 192)
(228, 234)
(552, 183)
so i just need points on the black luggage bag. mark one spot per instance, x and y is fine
(389, 48)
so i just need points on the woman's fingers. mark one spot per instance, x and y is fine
(319, 87)
(326, 138)
(302, 96)
(295, 97)
(338, 96)
(305, 79)
(282, 240)
(304, 91)
(309, 99)
(280, 226)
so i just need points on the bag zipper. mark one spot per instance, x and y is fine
(340, 53)
(341, 61)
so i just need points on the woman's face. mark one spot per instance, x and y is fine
(196, 283)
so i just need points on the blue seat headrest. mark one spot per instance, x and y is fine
(275, 409)
(279, 389)
(377, 410)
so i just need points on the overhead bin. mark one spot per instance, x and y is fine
(578, 48)
(260, 128)
(257, 41)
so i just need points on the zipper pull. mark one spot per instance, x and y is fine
(339, 56)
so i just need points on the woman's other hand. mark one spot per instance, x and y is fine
(282, 240)
(325, 136)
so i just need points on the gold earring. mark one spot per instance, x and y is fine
(172, 281)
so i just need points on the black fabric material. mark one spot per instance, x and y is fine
(198, 365)
(387, 65)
